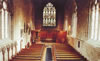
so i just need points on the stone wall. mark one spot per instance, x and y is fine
(88, 49)
(21, 19)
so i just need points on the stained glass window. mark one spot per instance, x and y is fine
(49, 15)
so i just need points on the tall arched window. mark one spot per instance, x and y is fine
(49, 15)
(5, 21)
(95, 21)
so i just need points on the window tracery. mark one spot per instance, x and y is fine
(49, 15)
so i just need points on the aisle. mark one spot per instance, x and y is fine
(48, 54)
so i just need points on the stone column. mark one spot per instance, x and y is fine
(8, 52)
(12, 49)
(99, 26)
(15, 48)
(3, 53)
(74, 24)
(0, 24)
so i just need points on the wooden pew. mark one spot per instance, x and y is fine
(66, 53)
(24, 60)
(30, 54)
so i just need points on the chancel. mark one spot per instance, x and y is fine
(49, 30)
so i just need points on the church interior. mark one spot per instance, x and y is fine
(49, 30)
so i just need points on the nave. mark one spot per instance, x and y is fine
(25, 22)
(59, 52)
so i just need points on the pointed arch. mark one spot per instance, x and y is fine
(49, 15)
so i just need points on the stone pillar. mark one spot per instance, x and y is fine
(0, 24)
(15, 48)
(90, 23)
(21, 42)
(12, 49)
(8, 52)
(74, 24)
(3, 53)
(99, 25)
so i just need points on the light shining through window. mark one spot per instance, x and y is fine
(49, 15)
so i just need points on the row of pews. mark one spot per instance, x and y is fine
(33, 53)
(61, 52)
